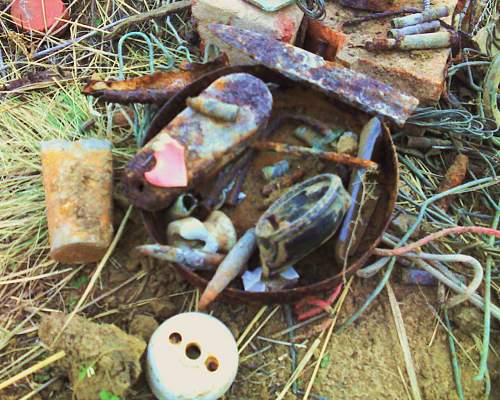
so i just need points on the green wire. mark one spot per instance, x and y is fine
(370, 298)
(457, 375)
(392, 260)
(483, 366)
(141, 128)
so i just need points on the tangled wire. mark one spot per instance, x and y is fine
(314, 9)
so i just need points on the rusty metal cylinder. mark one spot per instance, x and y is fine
(436, 40)
(414, 19)
(77, 178)
(426, 27)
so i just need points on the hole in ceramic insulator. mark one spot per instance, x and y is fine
(212, 364)
(193, 351)
(175, 338)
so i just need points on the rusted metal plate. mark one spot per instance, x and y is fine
(384, 154)
(209, 143)
(348, 86)
(156, 88)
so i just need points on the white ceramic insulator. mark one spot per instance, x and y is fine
(191, 356)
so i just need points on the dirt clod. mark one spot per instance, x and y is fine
(143, 326)
(98, 356)
(163, 308)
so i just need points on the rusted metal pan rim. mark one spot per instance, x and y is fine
(384, 154)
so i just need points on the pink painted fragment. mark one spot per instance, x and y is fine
(170, 169)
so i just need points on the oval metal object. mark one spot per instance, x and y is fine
(384, 154)
(209, 143)
(300, 221)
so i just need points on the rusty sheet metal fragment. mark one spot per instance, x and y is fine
(370, 5)
(209, 143)
(149, 89)
(348, 86)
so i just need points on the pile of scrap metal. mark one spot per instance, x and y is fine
(195, 178)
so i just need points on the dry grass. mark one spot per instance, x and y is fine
(29, 281)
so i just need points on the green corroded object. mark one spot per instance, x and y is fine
(300, 221)
(436, 40)
(276, 170)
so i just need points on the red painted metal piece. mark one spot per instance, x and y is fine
(39, 15)
(170, 168)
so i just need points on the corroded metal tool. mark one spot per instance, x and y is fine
(209, 141)
(348, 86)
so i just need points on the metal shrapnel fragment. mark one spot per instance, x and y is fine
(276, 170)
(455, 176)
(370, 5)
(190, 258)
(282, 183)
(426, 143)
(300, 151)
(304, 218)
(414, 19)
(156, 88)
(209, 143)
(350, 87)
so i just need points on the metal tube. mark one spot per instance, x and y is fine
(183, 207)
(428, 15)
(436, 40)
(426, 27)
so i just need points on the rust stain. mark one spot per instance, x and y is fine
(350, 87)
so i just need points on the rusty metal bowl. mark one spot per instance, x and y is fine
(330, 275)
